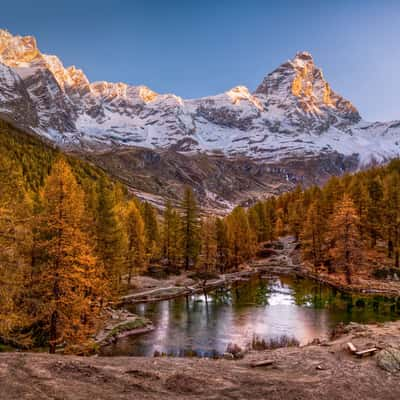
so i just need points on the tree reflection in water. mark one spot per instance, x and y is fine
(267, 308)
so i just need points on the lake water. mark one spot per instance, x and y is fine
(265, 308)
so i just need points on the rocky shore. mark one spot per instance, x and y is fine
(122, 323)
(370, 286)
(284, 261)
(149, 290)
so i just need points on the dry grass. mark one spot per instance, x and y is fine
(274, 343)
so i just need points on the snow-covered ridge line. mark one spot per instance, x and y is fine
(293, 112)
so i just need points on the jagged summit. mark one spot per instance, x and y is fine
(299, 83)
(285, 73)
(17, 50)
(304, 56)
(293, 113)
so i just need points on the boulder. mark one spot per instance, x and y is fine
(389, 359)
(228, 356)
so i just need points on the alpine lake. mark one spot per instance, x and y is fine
(257, 309)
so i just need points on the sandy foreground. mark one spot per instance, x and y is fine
(324, 371)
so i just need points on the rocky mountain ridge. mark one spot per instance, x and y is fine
(292, 120)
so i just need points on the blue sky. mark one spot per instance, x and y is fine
(199, 48)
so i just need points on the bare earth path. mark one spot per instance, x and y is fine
(313, 372)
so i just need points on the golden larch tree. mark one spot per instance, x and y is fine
(172, 237)
(111, 235)
(15, 250)
(312, 234)
(136, 254)
(240, 236)
(70, 281)
(208, 251)
(344, 237)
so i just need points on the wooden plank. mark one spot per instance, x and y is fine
(262, 363)
(351, 347)
(367, 352)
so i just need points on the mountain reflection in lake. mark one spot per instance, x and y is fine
(267, 308)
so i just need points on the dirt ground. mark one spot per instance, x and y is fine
(325, 371)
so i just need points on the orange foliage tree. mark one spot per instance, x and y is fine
(70, 279)
(344, 237)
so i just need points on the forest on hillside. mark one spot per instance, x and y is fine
(71, 238)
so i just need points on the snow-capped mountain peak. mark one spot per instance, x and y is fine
(241, 93)
(300, 84)
(292, 113)
(18, 50)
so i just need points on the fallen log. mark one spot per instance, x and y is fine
(367, 352)
(262, 363)
(351, 348)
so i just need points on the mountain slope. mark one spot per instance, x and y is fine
(34, 158)
(219, 182)
(293, 110)
(293, 122)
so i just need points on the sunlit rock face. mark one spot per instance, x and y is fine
(299, 89)
(17, 50)
(292, 114)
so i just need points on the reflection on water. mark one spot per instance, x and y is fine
(266, 308)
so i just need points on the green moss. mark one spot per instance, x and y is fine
(128, 326)
(5, 347)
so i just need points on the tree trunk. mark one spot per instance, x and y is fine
(53, 332)
(390, 248)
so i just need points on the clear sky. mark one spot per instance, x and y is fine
(198, 48)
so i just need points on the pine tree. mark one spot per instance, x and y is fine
(279, 225)
(374, 213)
(222, 250)
(261, 219)
(266, 221)
(359, 195)
(312, 235)
(167, 231)
(344, 238)
(391, 215)
(15, 247)
(208, 253)
(111, 237)
(190, 228)
(136, 254)
(151, 231)
(332, 194)
(255, 223)
(172, 240)
(271, 216)
(70, 279)
(296, 213)
(241, 238)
